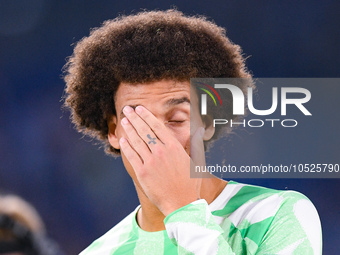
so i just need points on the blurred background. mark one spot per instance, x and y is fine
(78, 190)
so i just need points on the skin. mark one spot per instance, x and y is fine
(152, 129)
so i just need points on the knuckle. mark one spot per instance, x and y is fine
(150, 161)
(142, 173)
(173, 146)
(128, 153)
(157, 126)
(144, 130)
(138, 142)
(158, 151)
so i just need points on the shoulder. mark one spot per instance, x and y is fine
(257, 203)
(114, 238)
(240, 199)
(250, 195)
(252, 206)
(288, 219)
(276, 221)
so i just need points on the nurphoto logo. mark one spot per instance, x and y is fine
(241, 102)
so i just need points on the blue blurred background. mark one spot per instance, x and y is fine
(80, 192)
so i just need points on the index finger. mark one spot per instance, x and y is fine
(155, 125)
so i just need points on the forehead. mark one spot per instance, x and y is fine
(154, 92)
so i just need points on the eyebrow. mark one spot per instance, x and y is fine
(169, 103)
(176, 101)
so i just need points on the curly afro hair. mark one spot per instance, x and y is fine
(145, 47)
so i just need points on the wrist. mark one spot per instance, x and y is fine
(174, 207)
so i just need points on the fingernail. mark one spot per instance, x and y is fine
(127, 109)
(139, 109)
(125, 121)
(122, 140)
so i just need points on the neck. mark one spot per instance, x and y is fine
(150, 219)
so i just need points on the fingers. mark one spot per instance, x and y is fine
(197, 147)
(143, 130)
(154, 124)
(135, 141)
(197, 153)
(130, 154)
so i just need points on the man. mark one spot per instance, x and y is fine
(128, 85)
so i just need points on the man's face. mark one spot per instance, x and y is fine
(168, 101)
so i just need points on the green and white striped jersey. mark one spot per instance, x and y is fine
(243, 219)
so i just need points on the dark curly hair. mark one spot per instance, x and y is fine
(146, 47)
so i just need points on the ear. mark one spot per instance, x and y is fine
(112, 136)
(209, 128)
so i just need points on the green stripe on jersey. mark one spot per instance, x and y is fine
(244, 195)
